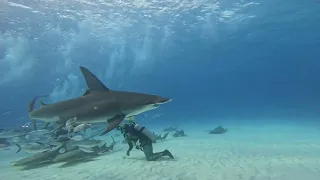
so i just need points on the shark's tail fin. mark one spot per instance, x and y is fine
(165, 136)
(19, 148)
(31, 108)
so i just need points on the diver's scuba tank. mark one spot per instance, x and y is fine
(146, 132)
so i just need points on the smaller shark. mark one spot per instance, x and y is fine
(98, 104)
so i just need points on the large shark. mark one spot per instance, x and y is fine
(98, 104)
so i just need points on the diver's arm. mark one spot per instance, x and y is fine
(130, 143)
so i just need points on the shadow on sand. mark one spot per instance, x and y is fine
(76, 162)
(37, 161)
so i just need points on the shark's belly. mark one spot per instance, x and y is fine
(49, 119)
(99, 119)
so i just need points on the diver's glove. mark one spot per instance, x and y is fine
(128, 153)
(138, 145)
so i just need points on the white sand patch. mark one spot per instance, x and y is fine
(251, 155)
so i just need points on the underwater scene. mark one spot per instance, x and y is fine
(159, 90)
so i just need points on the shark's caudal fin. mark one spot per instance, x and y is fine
(93, 83)
(113, 123)
(19, 148)
(165, 136)
(31, 108)
(46, 125)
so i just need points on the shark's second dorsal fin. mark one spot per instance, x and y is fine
(93, 83)
(42, 103)
(86, 92)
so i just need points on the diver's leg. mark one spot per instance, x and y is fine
(148, 151)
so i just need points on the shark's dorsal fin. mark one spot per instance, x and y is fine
(93, 83)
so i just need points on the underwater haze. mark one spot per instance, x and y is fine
(237, 63)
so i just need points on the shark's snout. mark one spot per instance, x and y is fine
(162, 100)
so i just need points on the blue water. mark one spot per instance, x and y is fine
(229, 59)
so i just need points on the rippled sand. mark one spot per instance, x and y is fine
(268, 153)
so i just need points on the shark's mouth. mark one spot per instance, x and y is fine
(164, 101)
(156, 105)
(161, 102)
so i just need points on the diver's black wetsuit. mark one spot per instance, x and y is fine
(132, 136)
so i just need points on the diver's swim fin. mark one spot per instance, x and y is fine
(167, 153)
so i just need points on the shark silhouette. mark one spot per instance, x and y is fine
(98, 104)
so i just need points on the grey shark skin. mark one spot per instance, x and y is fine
(98, 104)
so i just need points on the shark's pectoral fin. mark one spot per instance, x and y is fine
(93, 83)
(113, 123)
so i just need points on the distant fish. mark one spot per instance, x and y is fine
(160, 138)
(77, 138)
(34, 148)
(4, 113)
(62, 150)
(218, 130)
(86, 143)
(156, 116)
(86, 149)
(38, 135)
(179, 133)
(70, 124)
(11, 134)
(99, 150)
(39, 132)
(81, 127)
(19, 139)
(70, 156)
(169, 129)
(36, 158)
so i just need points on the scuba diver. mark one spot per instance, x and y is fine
(133, 133)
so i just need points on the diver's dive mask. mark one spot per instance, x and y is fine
(125, 127)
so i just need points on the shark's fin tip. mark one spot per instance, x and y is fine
(93, 83)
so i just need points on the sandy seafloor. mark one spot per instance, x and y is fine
(269, 152)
